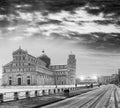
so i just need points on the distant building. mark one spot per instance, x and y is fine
(104, 79)
(26, 69)
(114, 77)
(108, 79)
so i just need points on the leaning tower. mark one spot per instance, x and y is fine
(71, 65)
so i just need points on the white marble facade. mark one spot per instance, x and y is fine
(26, 69)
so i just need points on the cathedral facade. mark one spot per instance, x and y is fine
(26, 69)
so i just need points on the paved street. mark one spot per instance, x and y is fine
(107, 96)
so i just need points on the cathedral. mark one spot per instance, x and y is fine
(26, 69)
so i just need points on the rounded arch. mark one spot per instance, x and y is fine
(19, 79)
(19, 75)
(10, 80)
(28, 80)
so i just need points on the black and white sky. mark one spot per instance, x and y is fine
(88, 28)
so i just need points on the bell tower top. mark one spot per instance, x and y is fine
(43, 51)
(71, 60)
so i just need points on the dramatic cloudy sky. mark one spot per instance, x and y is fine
(91, 30)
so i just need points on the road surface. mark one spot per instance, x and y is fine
(107, 96)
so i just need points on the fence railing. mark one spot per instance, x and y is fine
(11, 96)
(27, 93)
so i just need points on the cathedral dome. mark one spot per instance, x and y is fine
(45, 58)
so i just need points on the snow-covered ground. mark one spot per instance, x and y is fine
(8, 89)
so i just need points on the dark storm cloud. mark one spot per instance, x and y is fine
(97, 41)
(49, 22)
(90, 23)
(101, 41)
(106, 6)
(111, 40)
(111, 6)
(106, 22)
(8, 6)
(4, 23)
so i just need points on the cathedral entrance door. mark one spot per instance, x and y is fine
(10, 82)
(28, 81)
(19, 81)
